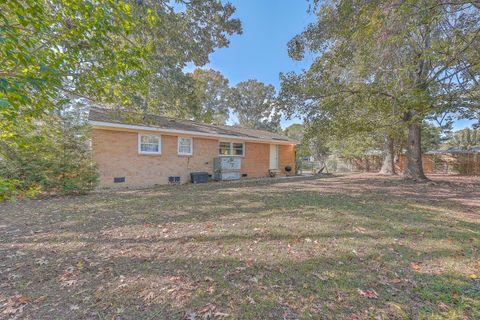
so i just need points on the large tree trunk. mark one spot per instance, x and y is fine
(413, 168)
(388, 166)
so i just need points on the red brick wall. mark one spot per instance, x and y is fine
(116, 153)
(257, 160)
(286, 157)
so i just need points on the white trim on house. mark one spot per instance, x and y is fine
(140, 135)
(191, 146)
(186, 132)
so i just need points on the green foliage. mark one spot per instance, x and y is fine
(465, 138)
(130, 53)
(52, 156)
(431, 137)
(8, 189)
(167, 36)
(295, 131)
(127, 53)
(255, 105)
(212, 91)
(380, 66)
(54, 47)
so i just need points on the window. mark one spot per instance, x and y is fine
(231, 149)
(185, 146)
(149, 144)
(237, 149)
(224, 148)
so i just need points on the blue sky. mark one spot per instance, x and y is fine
(261, 51)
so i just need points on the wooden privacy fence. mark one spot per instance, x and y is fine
(465, 163)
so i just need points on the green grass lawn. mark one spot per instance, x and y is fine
(347, 247)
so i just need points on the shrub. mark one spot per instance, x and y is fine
(8, 189)
(54, 155)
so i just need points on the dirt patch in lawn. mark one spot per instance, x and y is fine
(348, 247)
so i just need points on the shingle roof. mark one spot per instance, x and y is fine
(148, 121)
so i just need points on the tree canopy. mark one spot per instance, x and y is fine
(212, 92)
(130, 53)
(57, 54)
(387, 64)
(255, 105)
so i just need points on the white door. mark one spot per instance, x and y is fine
(273, 156)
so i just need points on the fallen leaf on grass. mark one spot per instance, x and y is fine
(149, 296)
(360, 229)
(14, 304)
(42, 261)
(40, 299)
(415, 266)
(74, 307)
(473, 276)
(68, 283)
(206, 312)
(321, 277)
(370, 294)
(340, 296)
(442, 306)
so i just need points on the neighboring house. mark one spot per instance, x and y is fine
(137, 151)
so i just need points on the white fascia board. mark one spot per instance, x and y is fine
(101, 124)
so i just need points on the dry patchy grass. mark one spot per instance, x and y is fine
(348, 247)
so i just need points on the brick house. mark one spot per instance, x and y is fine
(135, 151)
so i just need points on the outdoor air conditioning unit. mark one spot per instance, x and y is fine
(226, 168)
(199, 177)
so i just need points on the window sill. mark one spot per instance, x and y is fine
(149, 154)
(226, 155)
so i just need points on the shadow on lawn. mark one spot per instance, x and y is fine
(379, 215)
(163, 288)
(369, 233)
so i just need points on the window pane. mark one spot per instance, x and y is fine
(238, 149)
(185, 142)
(149, 139)
(184, 145)
(149, 147)
(224, 148)
(149, 143)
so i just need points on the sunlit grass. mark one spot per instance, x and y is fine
(273, 249)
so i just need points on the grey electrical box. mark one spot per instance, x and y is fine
(225, 176)
(227, 168)
(226, 163)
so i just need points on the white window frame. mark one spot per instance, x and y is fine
(140, 135)
(191, 146)
(231, 149)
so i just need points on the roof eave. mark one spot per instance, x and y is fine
(111, 125)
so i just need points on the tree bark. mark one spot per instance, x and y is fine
(413, 168)
(388, 166)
